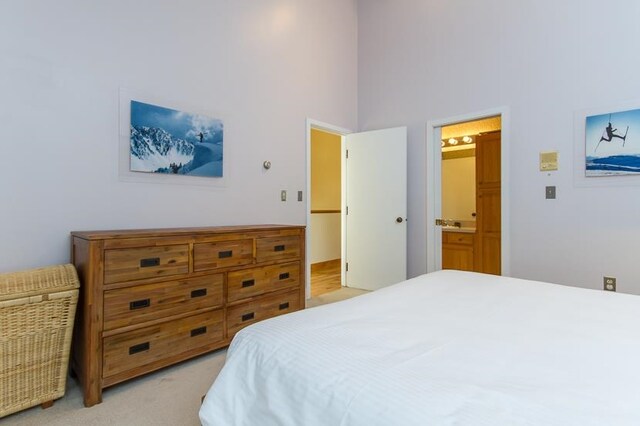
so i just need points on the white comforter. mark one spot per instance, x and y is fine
(447, 348)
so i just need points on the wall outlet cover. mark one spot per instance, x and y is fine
(609, 283)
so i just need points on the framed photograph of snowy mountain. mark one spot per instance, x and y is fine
(612, 144)
(174, 142)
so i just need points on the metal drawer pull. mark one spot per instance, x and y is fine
(248, 283)
(152, 261)
(278, 248)
(284, 276)
(139, 348)
(198, 331)
(199, 292)
(247, 317)
(138, 304)
(225, 254)
(284, 305)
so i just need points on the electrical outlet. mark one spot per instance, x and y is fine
(283, 195)
(299, 195)
(609, 283)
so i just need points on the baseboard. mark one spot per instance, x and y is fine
(327, 264)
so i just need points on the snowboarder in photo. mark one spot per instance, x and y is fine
(201, 136)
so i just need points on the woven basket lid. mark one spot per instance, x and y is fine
(50, 279)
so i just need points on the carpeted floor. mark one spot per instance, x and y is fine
(168, 397)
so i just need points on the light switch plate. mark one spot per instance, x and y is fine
(283, 195)
(550, 192)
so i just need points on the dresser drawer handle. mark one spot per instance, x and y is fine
(284, 276)
(225, 254)
(279, 248)
(198, 331)
(139, 348)
(284, 305)
(199, 292)
(247, 317)
(248, 283)
(147, 263)
(139, 304)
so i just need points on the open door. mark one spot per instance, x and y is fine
(376, 208)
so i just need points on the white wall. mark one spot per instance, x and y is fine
(258, 64)
(459, 188)
(423, 60)
(326, 241)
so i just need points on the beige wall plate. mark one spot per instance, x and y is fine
(548, 161)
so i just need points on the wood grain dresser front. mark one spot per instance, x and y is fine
(152, 298)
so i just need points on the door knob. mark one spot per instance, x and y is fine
(399, 219)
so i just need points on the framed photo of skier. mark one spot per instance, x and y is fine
(167, 141)
(612, 144)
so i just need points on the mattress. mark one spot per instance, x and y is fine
(446, 348)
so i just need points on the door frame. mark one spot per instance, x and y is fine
(319, 125)
(434, 184)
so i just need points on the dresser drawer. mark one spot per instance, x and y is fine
(260, 309)
(135, 305)
(222, 254)
(135, 349)
(277, 248)
(457, 238)
(255, 281)
(147, 262)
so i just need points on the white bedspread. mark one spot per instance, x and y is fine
(447, 348)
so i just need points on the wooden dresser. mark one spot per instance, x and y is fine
(151, 298)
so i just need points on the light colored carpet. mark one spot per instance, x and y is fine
(168, 397)
(335, 296)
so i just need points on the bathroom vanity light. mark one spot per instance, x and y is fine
(466, 140)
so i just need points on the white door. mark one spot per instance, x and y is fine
(376, 208)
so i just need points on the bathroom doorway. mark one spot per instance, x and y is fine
(470, 196)
(467, 190)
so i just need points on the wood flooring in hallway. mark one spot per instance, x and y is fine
(325, 277)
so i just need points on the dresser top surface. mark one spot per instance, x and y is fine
(142, 233)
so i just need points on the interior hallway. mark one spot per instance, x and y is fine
(325, 277)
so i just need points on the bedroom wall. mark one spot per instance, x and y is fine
(260, 65)
(325, 170)
(459, 188)
(423, 60)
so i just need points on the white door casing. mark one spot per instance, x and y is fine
(376, 204)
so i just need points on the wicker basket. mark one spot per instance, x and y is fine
(37, 308)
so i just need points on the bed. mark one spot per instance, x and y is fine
(446, 348)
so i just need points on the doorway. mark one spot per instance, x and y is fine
(470, 190)
(466, 239)
(311, 127)
(325, 226)
(373, 207)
